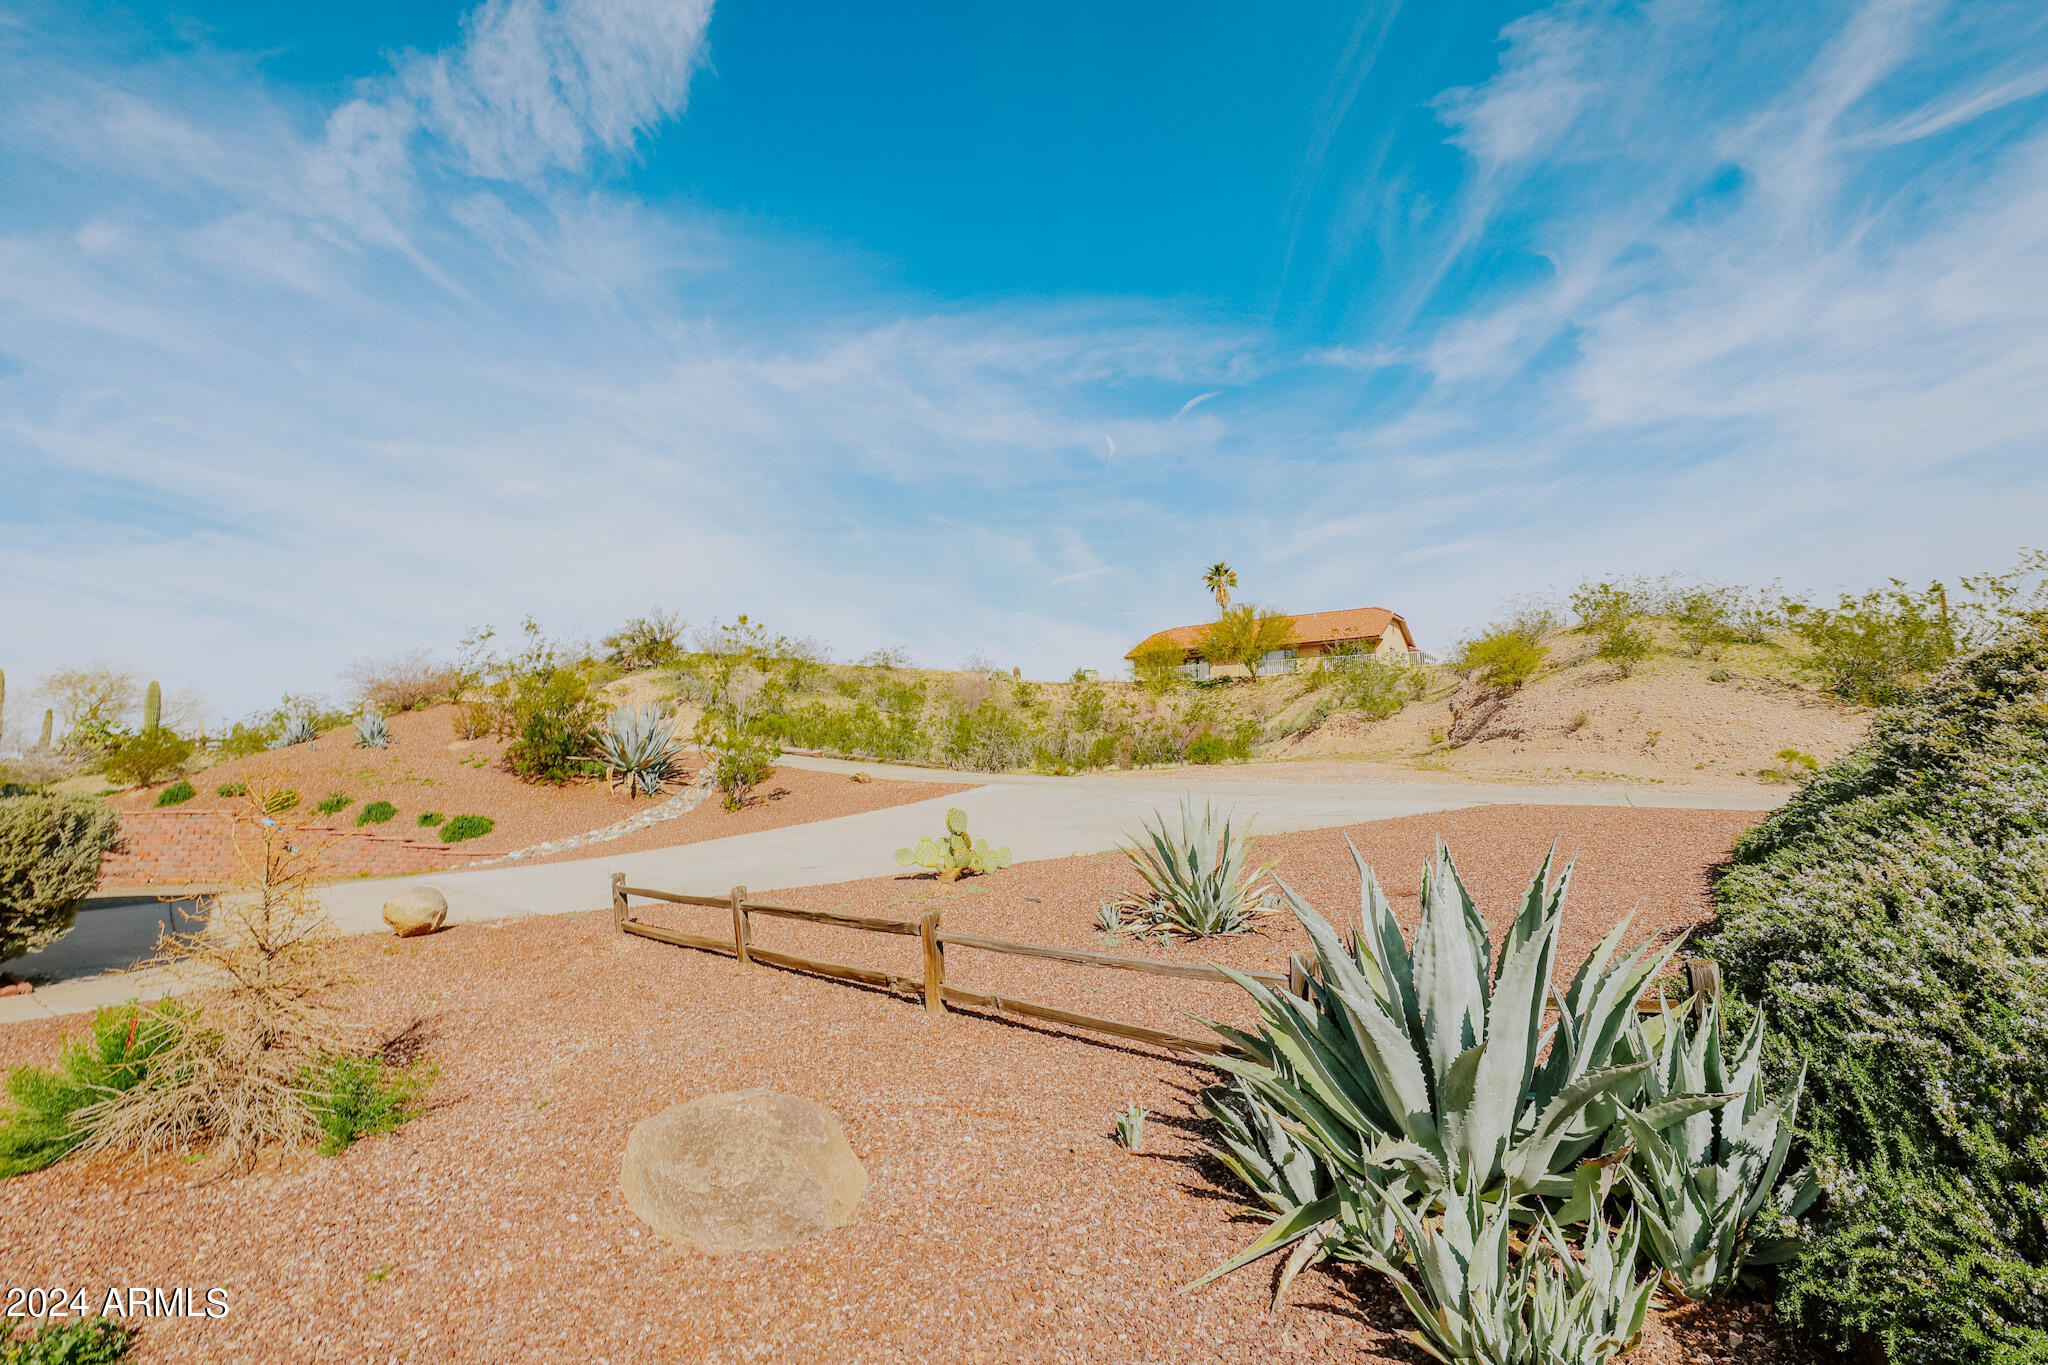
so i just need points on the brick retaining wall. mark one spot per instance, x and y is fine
(179, 847)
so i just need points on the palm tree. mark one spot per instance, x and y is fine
(1220, 579)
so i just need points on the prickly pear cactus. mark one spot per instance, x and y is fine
(958, 855)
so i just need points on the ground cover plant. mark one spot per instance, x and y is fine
(1893, 917)
(177, 794)
(79, 1341)
(457, 828)
(376, 813)
(37, 1128)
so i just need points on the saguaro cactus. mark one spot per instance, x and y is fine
(152, 707)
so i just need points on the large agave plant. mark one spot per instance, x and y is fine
(1701, 1179)
(298, 730)
(638, 744)
(1475, 1299)
(1431, 1059)
(372, 732)
(1201, 880)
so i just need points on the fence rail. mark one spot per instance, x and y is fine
(936, 939)
(1702, 978)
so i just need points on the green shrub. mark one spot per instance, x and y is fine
(150, 756)
(177, 794)
(554, 719)
(365, 1096)
(428, 819)
(35, 1130)
(232, 789)
(376, 813)
(1613, 612)
(460, 827)
(281, 801)
(333, 801)
(1208, 748)
(1892, 917)
(79, 1341)
(50, 852)
(1357, 681)
(1873, 649)
(1500, 658)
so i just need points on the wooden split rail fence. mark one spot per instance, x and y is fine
(1702, 978)
(936, 940)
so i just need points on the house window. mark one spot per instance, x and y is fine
(1197, 669)
(1277, 661)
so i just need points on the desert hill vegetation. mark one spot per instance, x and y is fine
(1669, 681)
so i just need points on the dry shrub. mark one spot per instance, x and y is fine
(233, 1075)
(402, 682)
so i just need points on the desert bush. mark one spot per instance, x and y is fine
(50, 852)
(889, 658)
(1245, 634)
(1499, 657)
(473, 719)
(333, 802)
(554, 719)
(1874, 649)
(363, 1095)
(177, 794)
(990, 738)
(33, 770)
(376, 813)
(650, 641)
(1200, 881)
(407, 681)
(1357, 681)
(1157, 668)
(78, 1341)
(428, 819)
(279, 800)
(228, 1069)
(232, 789)
(742, 697)
(1613, 612)
(456, 828)
(1890, 916)
(147, 757)
(1703, 615)
(37, 1129)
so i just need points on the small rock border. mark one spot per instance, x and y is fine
(681, 804)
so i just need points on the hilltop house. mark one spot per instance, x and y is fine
(1372, 630)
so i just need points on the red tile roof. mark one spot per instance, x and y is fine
(1359, 625)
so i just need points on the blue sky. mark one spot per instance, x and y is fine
(327, 331)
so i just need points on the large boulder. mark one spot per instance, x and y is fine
(743, 1171)
(416, 910)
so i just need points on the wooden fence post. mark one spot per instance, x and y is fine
(741, 939)
(619, 901)
(1703, 982)
(934, 963)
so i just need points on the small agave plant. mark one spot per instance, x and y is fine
(372, 732)
(638, 746)
(1200, 880)
(1477, 1300)
(1130, 1128)
(957, 856)
(1701, 1180)
(298, 730)
(1432, 1059)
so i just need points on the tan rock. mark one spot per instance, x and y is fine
(416, 910)
(742, 1171)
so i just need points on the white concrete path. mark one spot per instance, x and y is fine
(1038, 817)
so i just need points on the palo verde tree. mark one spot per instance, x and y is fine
(1245, 635)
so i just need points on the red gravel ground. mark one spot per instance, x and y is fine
(1001, 1223)
(426, 768)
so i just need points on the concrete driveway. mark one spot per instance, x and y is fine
(1038, 817)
